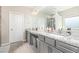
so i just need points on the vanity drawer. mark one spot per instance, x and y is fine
(51, 49)
(64, 50)
(50, 41)
(41, 37)
(67, 46)
(56, 51)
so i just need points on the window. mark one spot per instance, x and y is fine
(72, 22)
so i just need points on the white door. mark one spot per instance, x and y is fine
(16, 27)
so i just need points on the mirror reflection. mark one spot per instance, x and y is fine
(72, 22)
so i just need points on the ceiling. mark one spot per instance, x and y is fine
(46, 10)
(62, 8)
(59, 8)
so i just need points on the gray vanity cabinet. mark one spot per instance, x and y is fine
(31, 39)
(35, 42)
(53, 49)
(43, 47)
(66, 48)
(28, 37)
(42, 38)
(50, 49)
(50, 43)
(38, 46)
(35, 45)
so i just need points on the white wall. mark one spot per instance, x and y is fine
(32, 21)
(28, 22)
(58, 19)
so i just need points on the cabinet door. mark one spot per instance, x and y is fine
(28, 38)
(50, 41)
(38, 45)
(65, 50)
(52, 49)
(46, 48)
(31, 39)
(34, 41)
(35, 44)
(41, 37)
(42, 47)
(56, 50)
(68, 46)
(26, 35)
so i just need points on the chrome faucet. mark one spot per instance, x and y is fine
(69, 31)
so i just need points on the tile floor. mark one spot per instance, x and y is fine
(25, 48)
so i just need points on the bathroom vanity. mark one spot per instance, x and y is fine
(44, 42)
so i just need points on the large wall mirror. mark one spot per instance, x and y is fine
(72, 22)
(50, 24)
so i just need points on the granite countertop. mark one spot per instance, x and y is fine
(69, 40)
